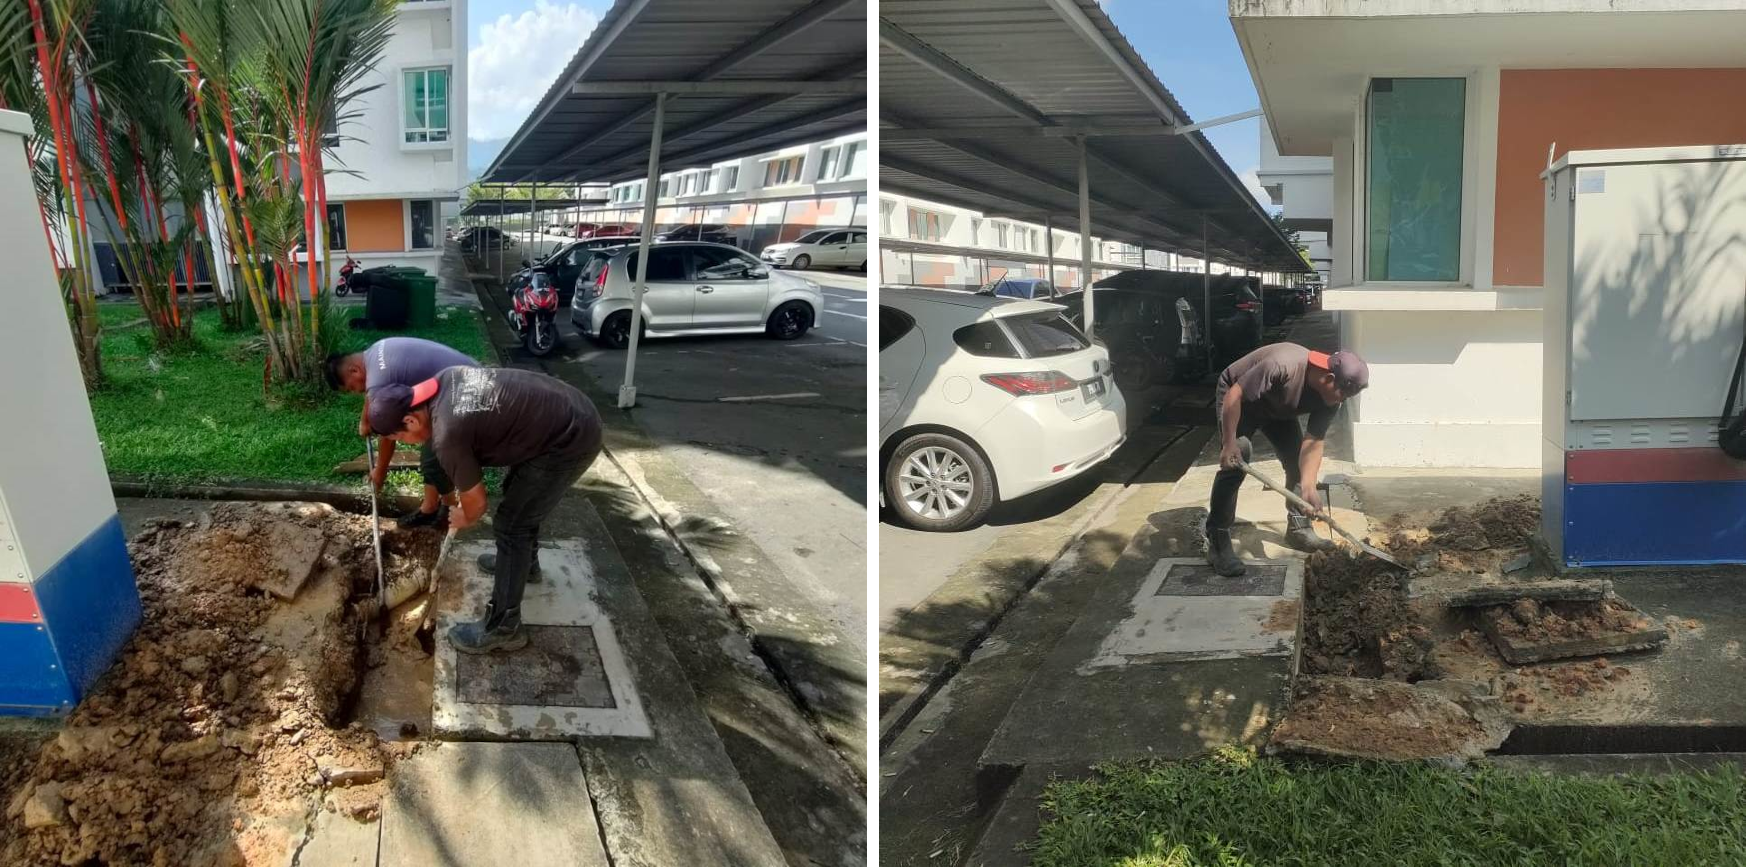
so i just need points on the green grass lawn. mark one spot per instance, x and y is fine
(1236, 809)
(201, 415)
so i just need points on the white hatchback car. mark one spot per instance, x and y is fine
(694, 288)
(821, 248)
(984, 399)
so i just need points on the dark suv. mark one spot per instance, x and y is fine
(714, 233)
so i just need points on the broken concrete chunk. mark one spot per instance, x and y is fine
(229, 686)
(357, 773)
(1518, 564)
(295, 551)
(188, 751)
(1471, 591)
(45, 807)
(196, 665)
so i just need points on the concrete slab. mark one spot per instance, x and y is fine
(295, 551)
(485, 804)
(338, 841)
(572, 679)
(1178, 613)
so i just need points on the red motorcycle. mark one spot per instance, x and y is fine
(344, 287)
(535, 313)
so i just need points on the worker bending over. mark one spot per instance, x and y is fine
(404, 361)
(545, 431)
(1266, 391)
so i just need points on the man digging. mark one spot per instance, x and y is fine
(404, 361)
(546, 432)
(1266, 391)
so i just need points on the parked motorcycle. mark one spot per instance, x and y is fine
(535, 312)
(344, 287)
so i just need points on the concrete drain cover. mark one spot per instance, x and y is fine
(560, 667)
(1199, 579)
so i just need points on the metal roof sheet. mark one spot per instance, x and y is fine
(1055, 63)
(576, 138)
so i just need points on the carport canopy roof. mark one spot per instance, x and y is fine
(499, 207)
(982, 103)
(743, 77)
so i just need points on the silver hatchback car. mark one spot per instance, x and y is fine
(694, 288)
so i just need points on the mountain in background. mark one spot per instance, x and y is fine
(480, 153)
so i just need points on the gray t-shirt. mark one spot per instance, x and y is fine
(408, 361)
(1275, 380)
(499, 417)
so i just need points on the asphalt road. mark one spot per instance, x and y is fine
(913, 564)
(774, 432)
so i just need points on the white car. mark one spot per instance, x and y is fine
(537, 245)
(821, 248)
(694, 288)
(984, 399)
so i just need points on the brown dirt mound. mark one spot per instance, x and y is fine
(1552, 621)
(1360, 718)
(214, 735)
(1358, 620)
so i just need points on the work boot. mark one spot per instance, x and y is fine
(488, 562)
(1218, 552)
(494, 634)
(415, 518)
(1300, 534)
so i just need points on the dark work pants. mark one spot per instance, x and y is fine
(1287, 439)
(432, 470)
(531, 490)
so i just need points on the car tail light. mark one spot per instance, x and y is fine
(600, 282)
(1248, 305)
(1022, 384)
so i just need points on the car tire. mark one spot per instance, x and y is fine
(615, 331)
(789, 321)
(801, 262)
(863, 266)
(954, 461)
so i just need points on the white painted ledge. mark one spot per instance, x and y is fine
(1395, 296)
(15, 122)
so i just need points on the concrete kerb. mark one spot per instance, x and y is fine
(345, 497)
(814, 661)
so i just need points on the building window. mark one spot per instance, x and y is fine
(733, 179)
(666, 184)
(828, 163)
(783, 171)
(885, 211)
(426, 105)
(423, 224)
(1414, 145)
(336, 226)
(854, 160)
(924, 225)
(1000, 230)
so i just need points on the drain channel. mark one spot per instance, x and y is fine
(1542, 740)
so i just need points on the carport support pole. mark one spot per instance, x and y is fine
(627, 393)
(1085, 237)
(1049, 250)
(533, 204)
(1206, 289)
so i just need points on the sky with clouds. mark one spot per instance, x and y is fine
(515, 48)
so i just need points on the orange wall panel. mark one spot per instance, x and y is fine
(375, 226)
(1592, 109)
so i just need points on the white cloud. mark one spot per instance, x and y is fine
(516, 60)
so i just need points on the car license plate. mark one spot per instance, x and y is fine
(1093, 388)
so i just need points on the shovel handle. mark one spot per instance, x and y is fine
(1301, 503)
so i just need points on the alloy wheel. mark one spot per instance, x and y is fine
(936, 483)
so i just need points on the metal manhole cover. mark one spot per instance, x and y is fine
(559, 667)
(1199, 579)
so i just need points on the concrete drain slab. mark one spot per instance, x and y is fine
(560, 667)
(572, 680)
(1184, 611)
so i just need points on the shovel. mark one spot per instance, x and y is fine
(436, 569)
(1323, 516)
(375, 520)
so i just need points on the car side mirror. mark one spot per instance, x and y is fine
(758, 273)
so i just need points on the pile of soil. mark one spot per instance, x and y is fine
(1476, 540)
(218, 732)
(1538, 622)
(1358, 623)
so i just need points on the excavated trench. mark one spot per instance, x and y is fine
(1389, 676)
(252, 696)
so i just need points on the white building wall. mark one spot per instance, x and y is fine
(427, 33)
